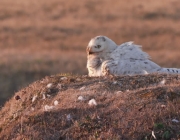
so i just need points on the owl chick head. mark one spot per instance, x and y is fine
(100, 44)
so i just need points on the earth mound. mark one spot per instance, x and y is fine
(80, 107)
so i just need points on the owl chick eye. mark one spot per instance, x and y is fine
(98, 46)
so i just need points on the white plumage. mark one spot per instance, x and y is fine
(106, 57)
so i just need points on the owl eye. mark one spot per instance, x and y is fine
(98, 46)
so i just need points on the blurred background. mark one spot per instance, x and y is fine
(45, 37)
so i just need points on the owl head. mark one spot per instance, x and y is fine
(100, 44)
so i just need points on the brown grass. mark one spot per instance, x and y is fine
(49, 37)
(128, 107)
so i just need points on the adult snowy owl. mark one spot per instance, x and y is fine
(105, 57)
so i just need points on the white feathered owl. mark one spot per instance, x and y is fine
(105, 57)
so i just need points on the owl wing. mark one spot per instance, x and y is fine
(128, 67)
(129, 50)
(128, 58)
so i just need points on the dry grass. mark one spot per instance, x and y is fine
(37, 36)
(128, 107)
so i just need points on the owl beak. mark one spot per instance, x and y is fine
(88, 50)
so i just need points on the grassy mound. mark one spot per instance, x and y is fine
(79, 107)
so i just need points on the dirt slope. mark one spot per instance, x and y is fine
(127, 107)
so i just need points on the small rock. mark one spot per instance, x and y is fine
(81, 98)
(59, 86)
(78, 79)
(44, 96)
(48, 95)
(98, 117)
(153, 135)
(49, 85)
(174, 120)
(64, 78)
(56, 102)
(163, 106)
(115, 82)
(104, 93)
(162, 82)
(34, 98)
(68, 117)
(118, 92)
(32, 108)
(48, 108)
(82, 88)
(92, 102)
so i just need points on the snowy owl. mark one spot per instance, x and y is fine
(105, 57)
